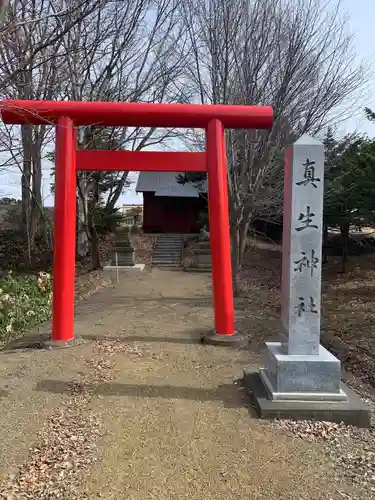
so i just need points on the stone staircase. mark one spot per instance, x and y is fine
(124, 250)
(168, 250)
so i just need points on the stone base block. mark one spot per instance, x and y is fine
(300, 396)
(351, 412)
(235, 340)
(61, 344)
(136, 267)
(122, 263)
(301, 373)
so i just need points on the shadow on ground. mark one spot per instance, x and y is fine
(139, 338)
(3, 393)
(30, 341)
(197, 301)
(231, 395)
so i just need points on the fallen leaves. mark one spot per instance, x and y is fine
(351, 450)
(66, 447)
(112, 347)
(311, 431)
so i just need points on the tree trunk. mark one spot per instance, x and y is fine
(238, 245)
(235, 253)
(82, 214)
(325, 244)
(94, 238)
(95, 248)
(113, 198)
(26, 177)
(344, 228)
(36, 204)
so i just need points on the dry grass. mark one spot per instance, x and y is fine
(143, 245)
(188, 256)
(348, 303)
(349, 315)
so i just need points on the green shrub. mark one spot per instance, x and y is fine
(25, 301)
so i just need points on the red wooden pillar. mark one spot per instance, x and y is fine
(219, 229)
(64, 231)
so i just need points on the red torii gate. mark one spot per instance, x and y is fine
(67, 115)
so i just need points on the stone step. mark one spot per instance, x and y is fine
(123, 249)
(179, 247)
(203, 251)
(168, 255)
(123, 256)
(123, 242)
(203, 263)
(163, 258)
(172, 236)
(168, 251)
(163, 252)
(169, 242)
(122, 263)
(168, 245)
(193, 269)
(166, 263)
(166, 259)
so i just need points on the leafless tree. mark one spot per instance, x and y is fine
(123, 52)
(295, 55)
(31, 44)
(86, 50)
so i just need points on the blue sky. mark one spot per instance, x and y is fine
(361, 23)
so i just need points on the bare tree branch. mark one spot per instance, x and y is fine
(294, 55)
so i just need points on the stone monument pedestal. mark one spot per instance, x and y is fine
(302, 377)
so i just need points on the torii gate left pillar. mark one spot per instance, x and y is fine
(64, 231)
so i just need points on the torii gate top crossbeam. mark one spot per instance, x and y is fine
(135, 114)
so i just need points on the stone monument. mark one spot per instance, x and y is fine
(301, 379)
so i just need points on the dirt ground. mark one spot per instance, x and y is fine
(140, 410)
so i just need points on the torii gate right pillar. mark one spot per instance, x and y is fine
(225, 333)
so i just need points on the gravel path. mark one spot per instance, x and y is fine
(141, 411)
